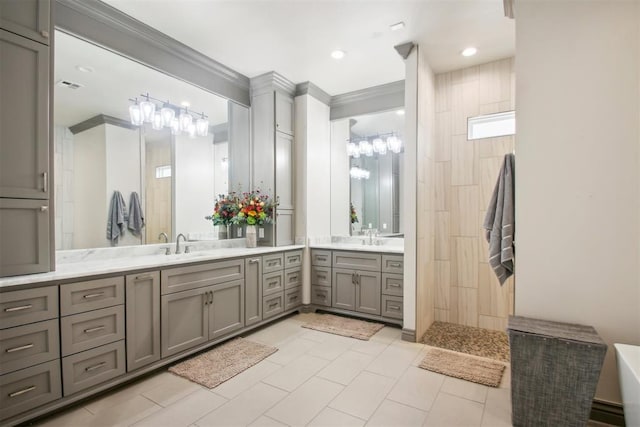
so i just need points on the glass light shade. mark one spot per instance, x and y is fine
(202, 127)
(157, 123)
(368, 150)
(168, 115)
(365, 148)
(394, 144)
(356, 153)
(379, 146)
(135, 115)
(352, 149)
(358, 173)
(185, 121)
(175, 126)
(191, 131)
(148, 109)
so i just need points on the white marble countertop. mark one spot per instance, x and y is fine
(91, 267)
(359, 244)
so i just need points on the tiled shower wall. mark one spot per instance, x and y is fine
(467, 291)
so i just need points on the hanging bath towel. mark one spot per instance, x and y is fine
(136, 216)
(499, 222)
(116, 219)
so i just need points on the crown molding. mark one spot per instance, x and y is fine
(373, 99)
(272, 81)
(100, 119)
(106, 26)
(308, 88)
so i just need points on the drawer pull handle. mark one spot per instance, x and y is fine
(394, 285)
(273, 283)
(94, 367)
(20, 308)
(96, 329)
(321, 295)
(321, 276)
(321, 257)
(274, 305)
(22, 347)
(254, 261)
(144, 277)
(395, 264)
(394, 307)
(293, 297)
(23, 391)
(293, 278)
(294, 259)
(272, 263)
(45, 178)
(96, 295)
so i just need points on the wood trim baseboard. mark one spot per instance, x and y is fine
(408, 335)
(607, 412)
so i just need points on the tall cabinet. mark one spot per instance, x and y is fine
(272, 112)
(25, 105)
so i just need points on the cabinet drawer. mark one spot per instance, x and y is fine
(392, 264)
(292, 259)
(321, 276)
(392, 306)
(272, 263)
(91, 295)
(197, 276)
(88, 330)
(357, 261)
(272, 305)
(292, 277)
(272, 283)
(92, 367)
(321, 258)
(292, 298)
(29, 388)
(28, 345)
(392, 284)
(321, 295)
(28, 306)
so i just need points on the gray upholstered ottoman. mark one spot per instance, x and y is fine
(554, 371)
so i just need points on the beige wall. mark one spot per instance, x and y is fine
(578, 169)
(467, 291)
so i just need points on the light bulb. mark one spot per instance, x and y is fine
(135, 114)
(352, 149)
(175, 127)
(148, 109)
(394, 144)
(191, 131)
(157, 122)
(202, 126)
(379, 146)
(185, 120)
(168, 114)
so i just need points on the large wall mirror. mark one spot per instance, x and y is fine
(175, 169)
(368, 154)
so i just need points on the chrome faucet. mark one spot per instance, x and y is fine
(166, 240)
(178, 242)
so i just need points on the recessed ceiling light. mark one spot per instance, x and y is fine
(397, 26)
(338, 54)
(400, 112)
(84, 68)
(470, 51)
(185, 104)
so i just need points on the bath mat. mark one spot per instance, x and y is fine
(223, 362)
(467, 339)
(344, 326)
(465, 367)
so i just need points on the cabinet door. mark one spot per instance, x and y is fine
(343, 293)
(184, 320)
(24, 118)
(284, 227)
(143, 319)
(368, 292)
(226, 309)
(29, 18)
(24, 246)
(252, 291)
(284, 171)
(284, 114)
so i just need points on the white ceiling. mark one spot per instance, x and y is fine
(378, 123)
(295, 37)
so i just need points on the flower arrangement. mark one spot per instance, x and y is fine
(353, 214)
(255, 208)
(225, 210)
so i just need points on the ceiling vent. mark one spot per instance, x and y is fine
(69, 85)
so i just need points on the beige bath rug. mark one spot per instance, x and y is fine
(344, 326)
(467, 339)
(223, 362)
(465, 367)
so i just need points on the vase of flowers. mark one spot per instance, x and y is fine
(255, 209)
(224, 214)
(353, 215)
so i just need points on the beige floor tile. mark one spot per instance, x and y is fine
(395, 414)
(291, 351)
(305, 403)
(264, 421)
(332, 347)
(346, 367)
(126, 413)
(417, 388)
(373, 348)
(245, 380)
(72, 417)
(393, 361)
(453, 411)
(278, 334)
(362, 397)
(466, 389)
(387, 334)
(245, 408)
(497, 409)
(171, 390)
(331, 418)
(317, 336)
(291, 376)
(185, 411)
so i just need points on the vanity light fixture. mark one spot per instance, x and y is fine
(135, 114)
(157, 122)
(177, 119)
(380, 144)
(338, 54)
(185, 120)
(359, 173)
(148, 108)
(202, 126)
(469, 51)
(168, 114)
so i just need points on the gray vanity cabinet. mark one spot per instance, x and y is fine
(226, 309)
(184, 320)
(252, 290)
(368, 292)
(344, 289)
(284, 114)
(143, 319)
(28, 18)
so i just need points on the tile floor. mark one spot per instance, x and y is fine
(315, 379)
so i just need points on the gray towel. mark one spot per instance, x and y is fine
(499, 222)
(116, 219)
(136, 216)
